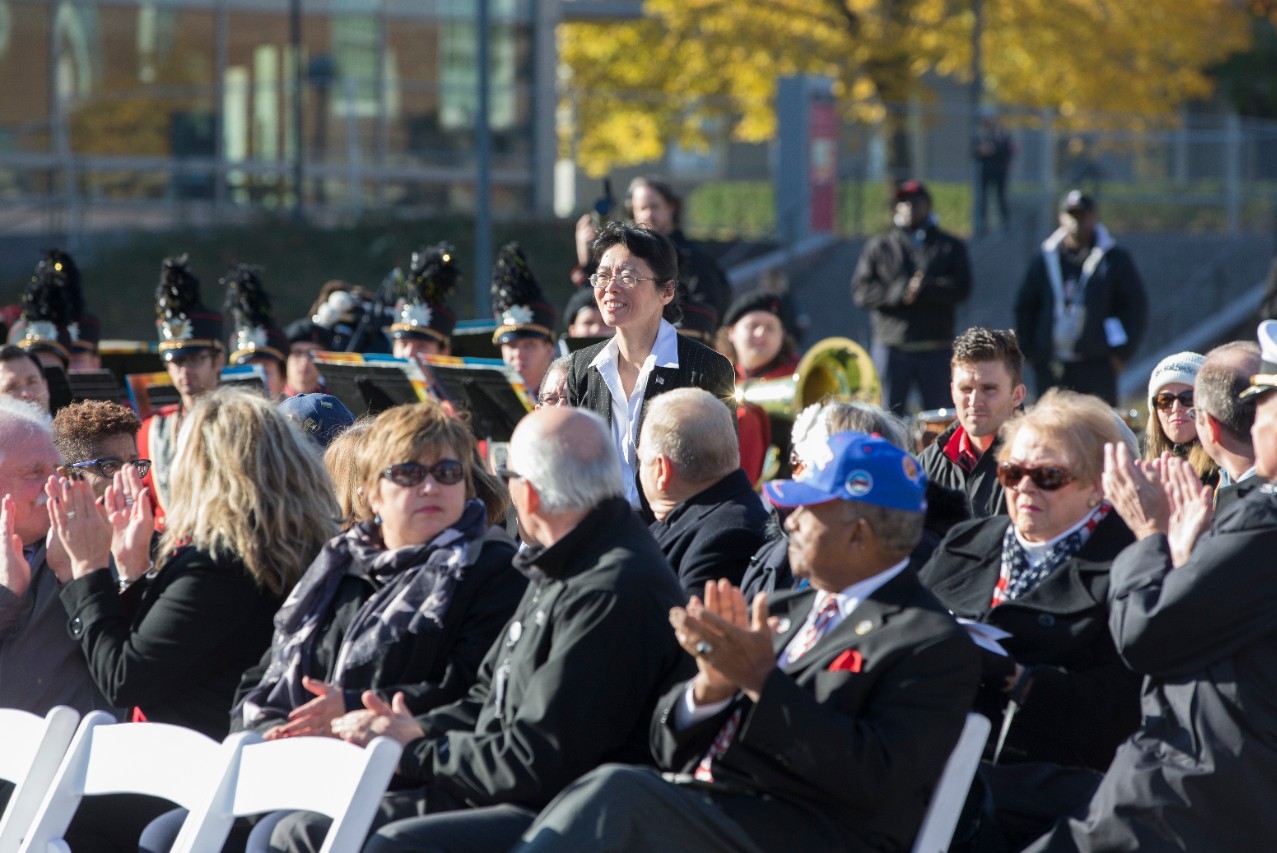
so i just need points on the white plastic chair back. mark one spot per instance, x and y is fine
(941, 819)
(106, 757)
(315, 774)
(31, 748)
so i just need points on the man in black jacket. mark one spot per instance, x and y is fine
(913, 278)
(988, 387)
(823, 727)
(569, 685)
(709, 519)
(1199, 620)
(1081, 310)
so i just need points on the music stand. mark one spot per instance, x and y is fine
(97, 385)
(370, 384)
(151, 391)
(125, 357)
(489, 390)
(473, 339)
(59, 389)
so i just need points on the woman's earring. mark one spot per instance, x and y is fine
(1093, 503)
(376, 519)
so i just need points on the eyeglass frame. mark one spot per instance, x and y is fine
(599, 283)
(434, 471)
(1008, 469)
(1171, 399)
(143, 466)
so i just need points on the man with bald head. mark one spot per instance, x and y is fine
(572, 682)
(709, 520)
(40, 664)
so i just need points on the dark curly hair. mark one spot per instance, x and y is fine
(80, 427)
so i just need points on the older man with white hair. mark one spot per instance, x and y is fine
(40, 665)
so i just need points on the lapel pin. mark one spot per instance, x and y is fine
(783, 624)
(864, 627)
(539, 618)
(516, 631)
(660, 380)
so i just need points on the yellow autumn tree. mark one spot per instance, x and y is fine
(636, 86)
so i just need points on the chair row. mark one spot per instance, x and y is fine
(54, 763)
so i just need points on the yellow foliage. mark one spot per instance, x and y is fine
(690, 60)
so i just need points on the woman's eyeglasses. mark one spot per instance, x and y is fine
(1165, 399)
(625, 280)
(109, 466)
(447, 472)
(1048, 478)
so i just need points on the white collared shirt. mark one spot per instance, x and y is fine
(1226, 480)
(688, 712)
(625, 411)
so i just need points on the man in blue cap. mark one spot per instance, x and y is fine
(819, 721)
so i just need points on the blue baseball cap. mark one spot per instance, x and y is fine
(853, 466)
(320, 416)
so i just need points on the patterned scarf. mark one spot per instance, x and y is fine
(415, 586)
(1018, 577)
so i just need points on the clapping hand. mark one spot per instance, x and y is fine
(1135, 490)
(1192, 508)
(731, 642)
(79, 525)
(378, 718)
(128, 508)
(15, 571)
(317, 716)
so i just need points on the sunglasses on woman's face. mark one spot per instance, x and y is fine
(447, 472)
(1048, 478)
(1165, 399)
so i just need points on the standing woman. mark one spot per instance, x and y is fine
(249, 507)
(1172, 427)
(636, 287)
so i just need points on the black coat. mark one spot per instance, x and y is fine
(173, 646)
(1084, 699)
(432, 668)
(1201, 771)
(573, 681)
(840, 757)
(714, 533)
(883, 271)
(981, 485)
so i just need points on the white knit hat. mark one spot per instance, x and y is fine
(1180, 367)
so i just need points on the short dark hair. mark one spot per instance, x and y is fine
(655, 249)
(13, 352)
(1222, 378)
(979, 344)
(664, 189)
(80, 427)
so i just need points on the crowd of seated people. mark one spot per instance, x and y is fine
(613, 641)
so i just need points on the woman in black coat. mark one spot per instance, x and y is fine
(1060, 697)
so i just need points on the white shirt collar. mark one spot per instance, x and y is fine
(664, 349)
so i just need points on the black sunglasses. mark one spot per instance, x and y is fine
(447, 472)
(109, 466)
(1165, 399)
(1048, 478)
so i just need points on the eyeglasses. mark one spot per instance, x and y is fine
(1048, 478)
(1165, 400)
(552, 400)
(447, 472)
(625, 280)
(507, 474)
(109, 466)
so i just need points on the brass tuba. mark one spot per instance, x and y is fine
(834, 368)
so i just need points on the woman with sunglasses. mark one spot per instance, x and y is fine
(636, 287)
(1060, 699)
(408, 599)
(1172, 422)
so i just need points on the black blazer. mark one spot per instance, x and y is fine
(1084, 700)
(840, 755)
(714, 534)
(178, 655)
(698, 367)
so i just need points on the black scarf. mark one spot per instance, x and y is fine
(415, 589)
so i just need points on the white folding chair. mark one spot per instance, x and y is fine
(106, 757)
(936, 832)
(31, 748)
(314, 774)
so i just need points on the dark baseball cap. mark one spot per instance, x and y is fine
(911, 189)
(1077, 201)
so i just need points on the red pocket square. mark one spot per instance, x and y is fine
(848, 661)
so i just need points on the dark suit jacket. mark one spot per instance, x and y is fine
(713, 534)
(841, 759)
(1201, 771)
(195, 627)
(1084, 700)
(698, 367)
